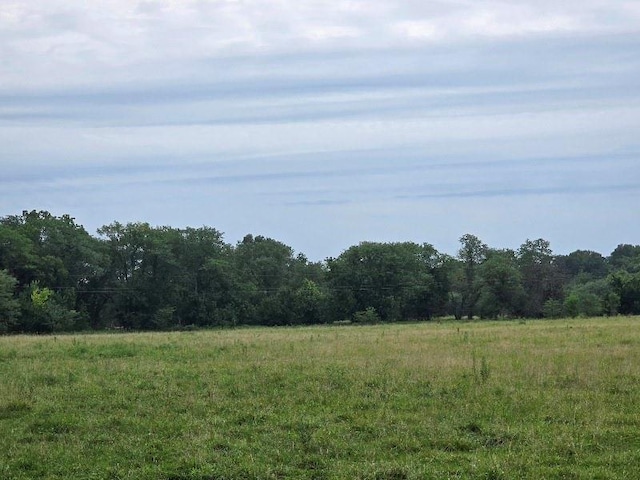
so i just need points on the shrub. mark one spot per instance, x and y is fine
(368, 316)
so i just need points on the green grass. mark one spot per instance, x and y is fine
(494, 400)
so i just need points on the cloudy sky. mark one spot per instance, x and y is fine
(322, 124)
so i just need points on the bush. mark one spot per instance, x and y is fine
(368, 316)
(581, 303)
(553, 309)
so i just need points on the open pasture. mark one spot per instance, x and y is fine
(486, 400)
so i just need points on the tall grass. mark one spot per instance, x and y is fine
(545, 399)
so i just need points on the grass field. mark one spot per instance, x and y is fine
(486, 400)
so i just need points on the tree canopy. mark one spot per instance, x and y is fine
(54, 276)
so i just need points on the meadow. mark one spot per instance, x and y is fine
(485, 400)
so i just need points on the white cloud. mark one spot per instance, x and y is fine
(420, 30)
(331, 32)
(117, 88)
(57, 41)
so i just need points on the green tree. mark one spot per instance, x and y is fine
(396, 279)
(472, 254)
(9, 306)
(17, 252)
(142, 275)
(53, 251)
(582, 303)
(500, 284)
(626, 286)
(553, 308)
(625, 257)
(204, 280)
(540, 277)
(591, 298)
(268, 277)
(583, 262)
(310, 302)
(43, 311)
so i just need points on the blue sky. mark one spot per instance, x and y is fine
(322, 124)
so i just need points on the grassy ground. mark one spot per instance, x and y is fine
(543, 399)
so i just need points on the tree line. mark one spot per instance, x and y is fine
(54, 276)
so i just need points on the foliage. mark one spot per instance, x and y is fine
(501, 290)
(472, 254)
(44, 311)
(591, 298)
(553, 308)
(626, 257)
(583, 262)
(54, 259)
(540, 276)
(9, 306)
(398, 280)
(57, 277)
(626, 286)
(366, 317)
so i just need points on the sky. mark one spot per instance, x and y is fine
(323, 124)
